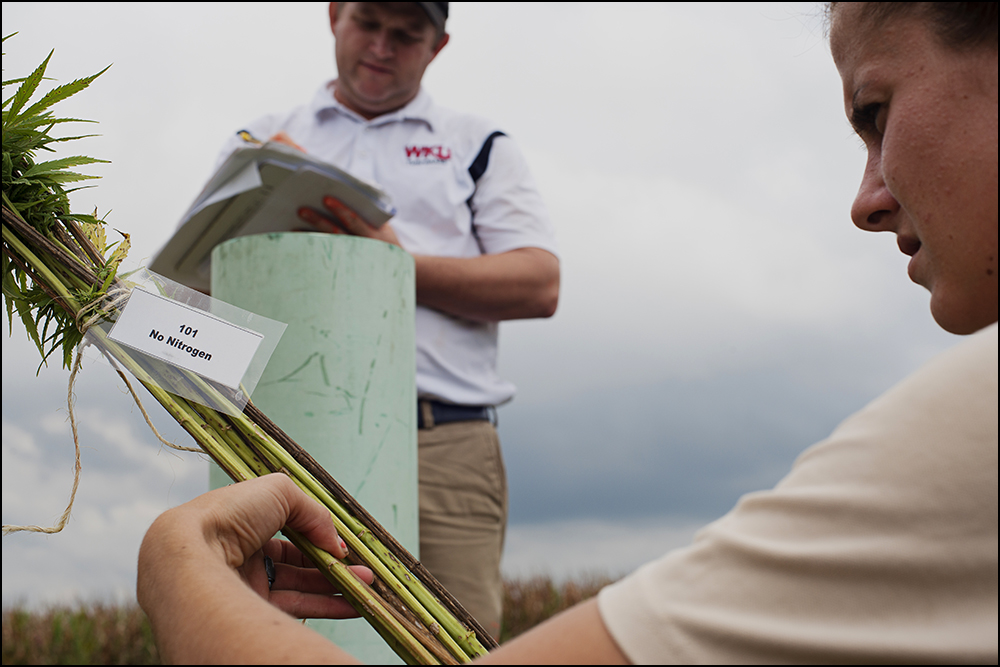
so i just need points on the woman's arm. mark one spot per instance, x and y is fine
(203, 585)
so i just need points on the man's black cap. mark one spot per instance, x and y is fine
(437, 11)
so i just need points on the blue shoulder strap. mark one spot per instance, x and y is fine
(476, 171)
(478, 166)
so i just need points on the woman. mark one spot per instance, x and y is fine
(880, 544)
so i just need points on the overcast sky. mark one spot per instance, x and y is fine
(719, 311)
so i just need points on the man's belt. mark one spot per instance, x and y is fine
(446, 413)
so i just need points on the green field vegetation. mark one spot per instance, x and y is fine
(84, 635)
(528, 602)
(107, 634)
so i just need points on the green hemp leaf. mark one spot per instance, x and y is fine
(35, 193)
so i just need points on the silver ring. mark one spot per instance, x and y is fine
(269, 569)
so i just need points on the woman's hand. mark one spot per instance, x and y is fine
(243, 518)
(298, 588)
(202, 572)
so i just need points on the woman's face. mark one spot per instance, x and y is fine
(928, 117)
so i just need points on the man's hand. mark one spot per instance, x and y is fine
(339, 219)
(518, 284)
(283, 138)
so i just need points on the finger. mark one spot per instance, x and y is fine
(347, 218)
(283, 138)
(311, 580)
(304, 514)
(319, 222)
(283, 551)
(363, 573)
(354, 224)
(293, 570)
(288, 578)
(312, 596)
(243, 516)
(254, 574)
(301, 605)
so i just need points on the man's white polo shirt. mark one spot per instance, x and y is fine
(461, 189)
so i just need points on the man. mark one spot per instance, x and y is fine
(471, 216)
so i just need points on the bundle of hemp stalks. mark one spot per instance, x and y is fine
(57, 274)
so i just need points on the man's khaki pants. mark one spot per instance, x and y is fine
(463, 514)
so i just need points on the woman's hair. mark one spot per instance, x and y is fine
(959, 25)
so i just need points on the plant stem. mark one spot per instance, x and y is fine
(460, 641)
(245, 449)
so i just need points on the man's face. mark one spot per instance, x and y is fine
(382, 50)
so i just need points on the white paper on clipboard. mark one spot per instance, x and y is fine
(259, 190)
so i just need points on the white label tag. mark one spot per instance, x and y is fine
(186, 337)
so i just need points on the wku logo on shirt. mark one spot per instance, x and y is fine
(427, 154)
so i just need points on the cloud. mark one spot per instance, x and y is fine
(684, 448)
(718, 313)
(127, 480)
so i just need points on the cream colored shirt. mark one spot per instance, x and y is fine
(879, 546)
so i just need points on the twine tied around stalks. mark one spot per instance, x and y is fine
(95, 312)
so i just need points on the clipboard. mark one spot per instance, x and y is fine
(259, 190)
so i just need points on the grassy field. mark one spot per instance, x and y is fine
(85, 635)
(120, 635)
